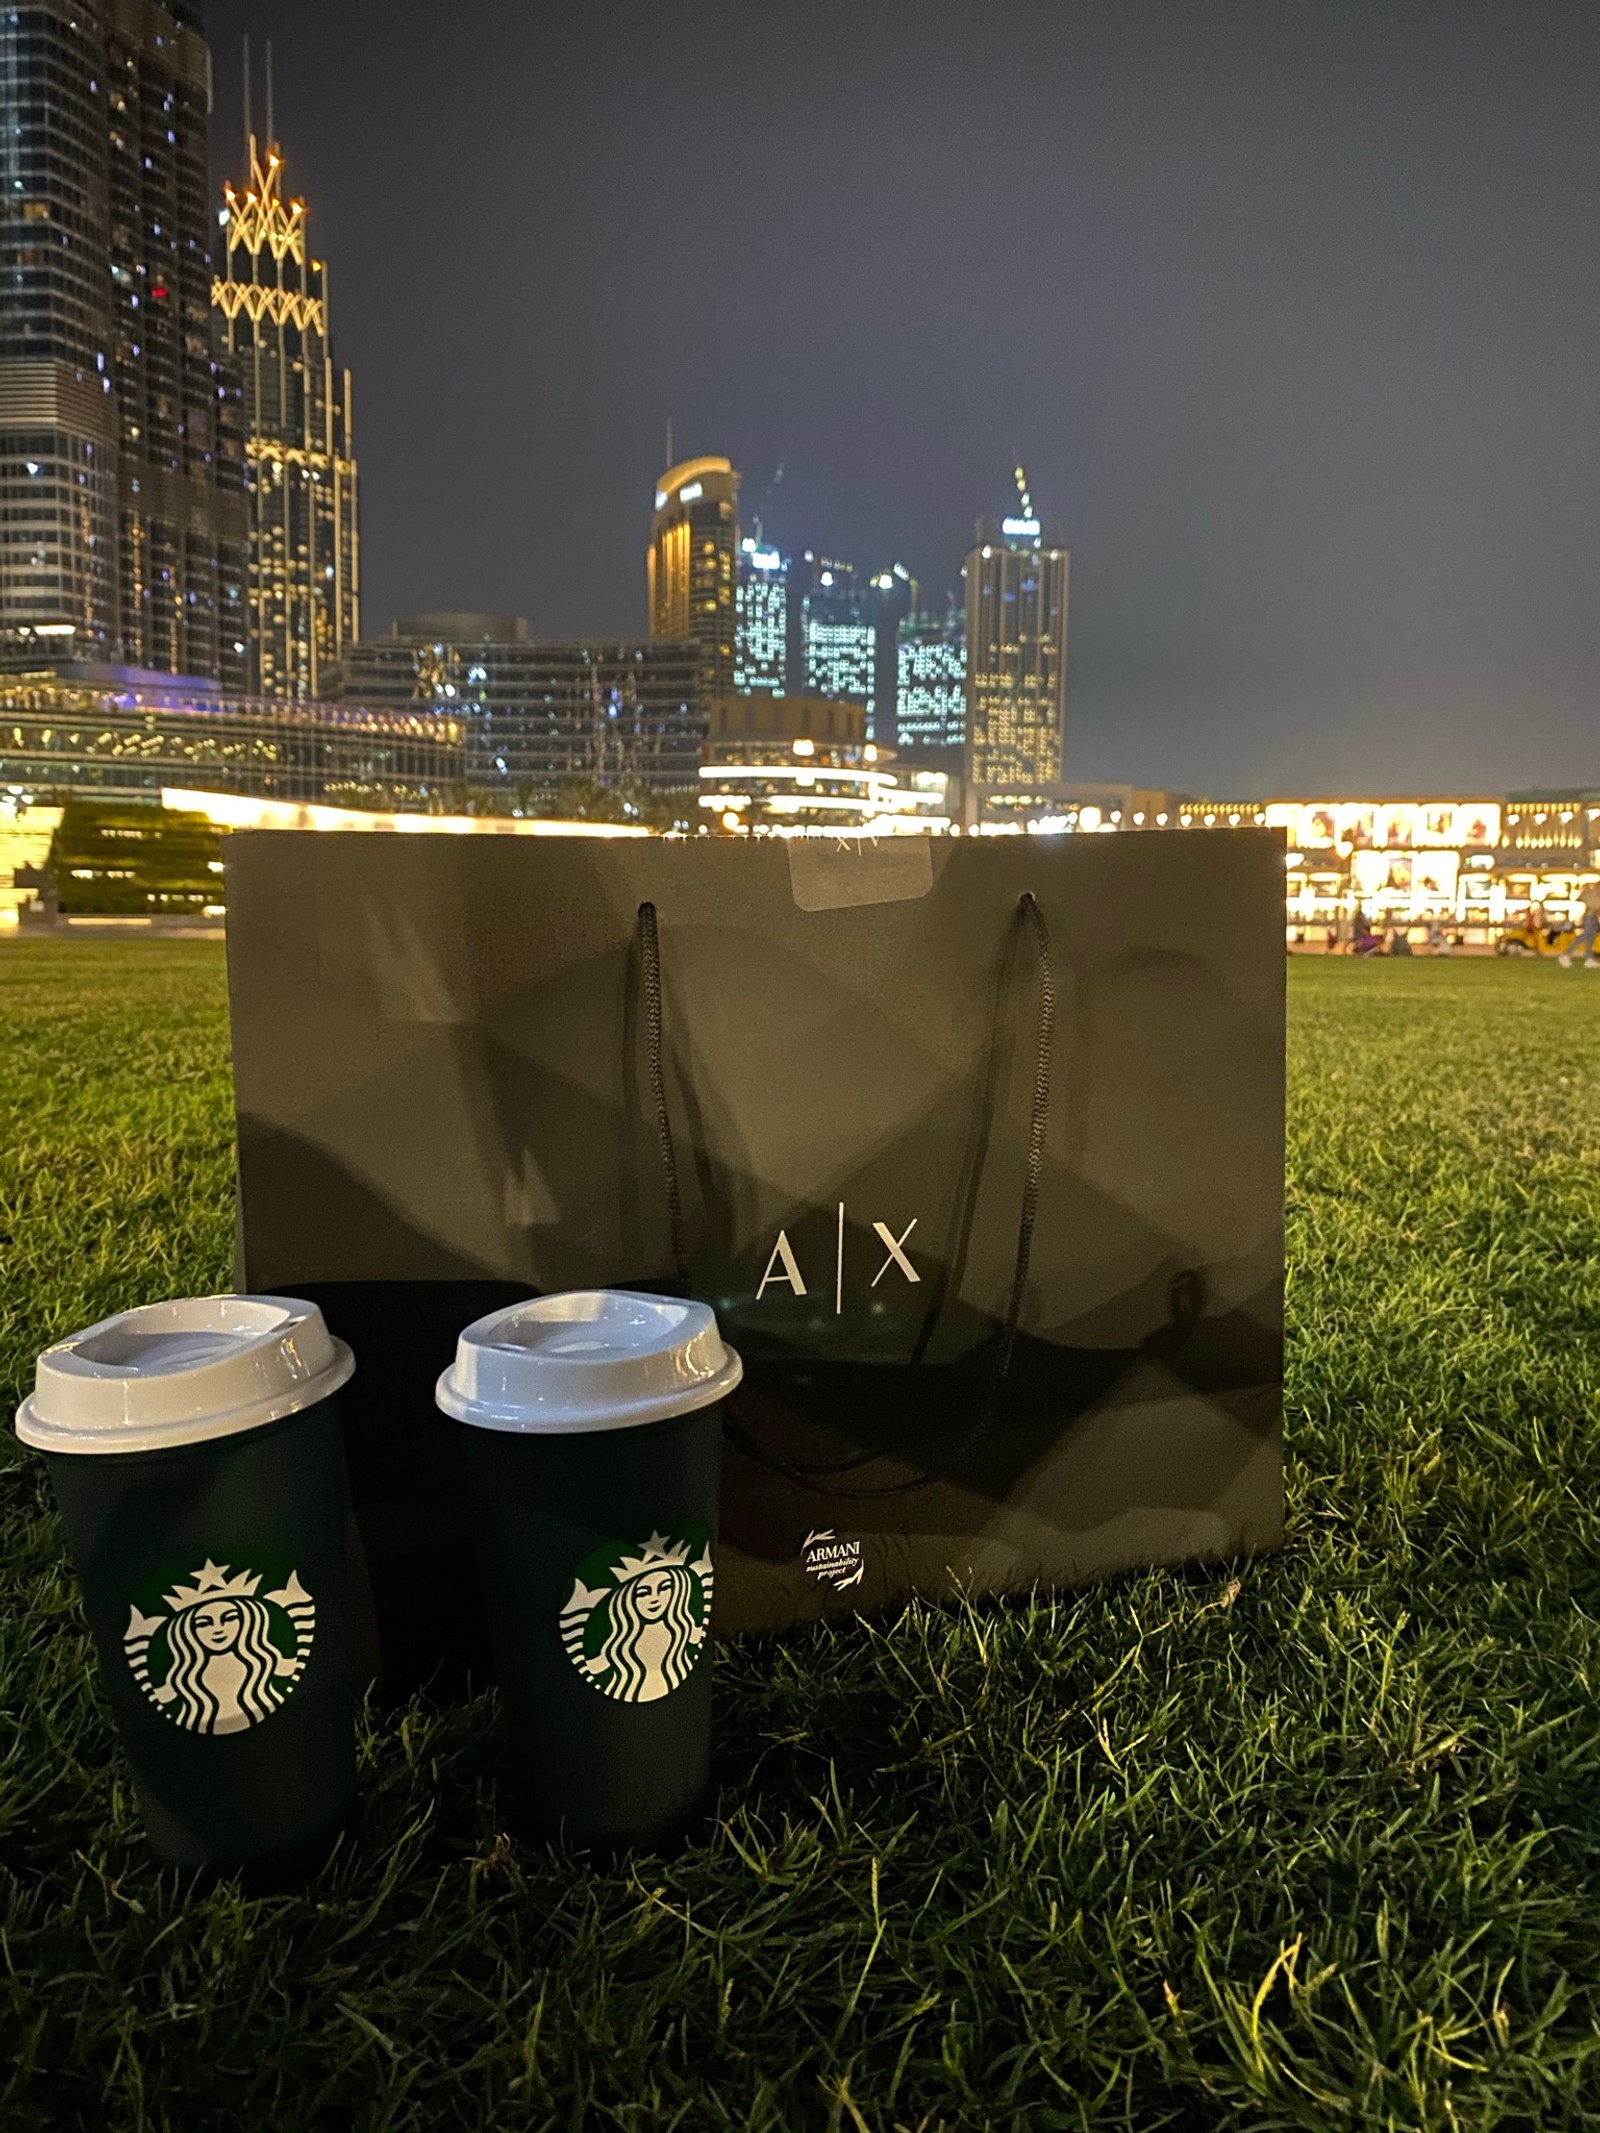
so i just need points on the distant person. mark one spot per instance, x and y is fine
(1366, 941)
(1588, 927)
(1399, 941)
(1438, 940)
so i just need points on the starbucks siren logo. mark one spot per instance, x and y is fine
(635, 1622)
(222, 1655)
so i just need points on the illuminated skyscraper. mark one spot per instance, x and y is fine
(121, 507)
(1016, 650)
(693, 564)
(762, 649)
(932, 693)
(300, 470)
(893, 598)
(839, 637)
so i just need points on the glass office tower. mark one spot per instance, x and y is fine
(121, 479)
(839, 638)
(762, 648)
(535, 715)
(932, 693)
(693, 564)
(59, 587)
(1016, 651)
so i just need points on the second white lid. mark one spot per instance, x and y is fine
(180, 1373)
(589, 1359)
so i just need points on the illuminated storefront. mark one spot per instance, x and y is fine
(1397, 863)
(1457, 871)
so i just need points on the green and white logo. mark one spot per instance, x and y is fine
(217, 1654)
(635, 1622)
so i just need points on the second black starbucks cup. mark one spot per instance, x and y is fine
(594, 1455)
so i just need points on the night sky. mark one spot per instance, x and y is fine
(1292, 311)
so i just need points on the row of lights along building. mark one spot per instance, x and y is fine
(180, 569)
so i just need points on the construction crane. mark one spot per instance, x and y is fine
(763, 499)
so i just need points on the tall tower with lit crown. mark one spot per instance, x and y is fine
(1016, 579)
(300, 467)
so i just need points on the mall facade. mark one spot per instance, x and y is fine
(1468, 867)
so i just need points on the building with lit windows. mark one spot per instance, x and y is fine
(271, 304)
(1016, 651)
(894, 597)
(931, 695)
(535, 716)
(59, 583)
(761, 653)
(839, 638)
(693, 564)
(121, 484)
(803, 766)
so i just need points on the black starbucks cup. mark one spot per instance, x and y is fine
(594, 1455)
(194, 1451)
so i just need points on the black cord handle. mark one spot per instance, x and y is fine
(1038, 1125)
(650, 965)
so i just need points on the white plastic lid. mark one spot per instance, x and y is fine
(591, 1359)
(180, 1373)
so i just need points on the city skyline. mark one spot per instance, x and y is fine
(1302, 363)
(1285, 310)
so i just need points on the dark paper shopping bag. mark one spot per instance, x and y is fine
(975, 1146)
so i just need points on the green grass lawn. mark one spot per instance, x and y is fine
(1308, 1841)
